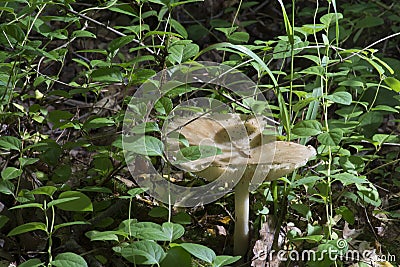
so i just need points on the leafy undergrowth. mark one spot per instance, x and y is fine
(329, 71)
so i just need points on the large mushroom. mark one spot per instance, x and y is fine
(244, 148)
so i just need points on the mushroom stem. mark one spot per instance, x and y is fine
(241, 233)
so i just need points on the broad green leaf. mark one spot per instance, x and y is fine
(164, 106)
(110, 75)
(369, 194)
(179, 28)
(224, 260)
(385, 108)
(145, 145)
(83, 34)
(27, 227)
(346, 213)
(102, 236)
(145, 127)
(306, 180)
(32, 263)
(136, 191)
(69, 259)
(172, 231)
(327, 19)
(347, 179)
(192, 153)
(82, 203)
(393, 83)
(182, 218)
(3, 220)
(44, 190)
(10, 173)
(6, 187)
(60, 201)
(120, 42)
(369, 22)
(10, 143)
(27, 161)
(343, 98)
(199, 251)
(158, 212)
(143, 252)
(307, 128)
(314, 238)
(61, 225)
(98, 123)
(177, 256)
(27, 205)
(239, 37)
(124, 9)
(331, 138)
(143, 230)
(133, 192)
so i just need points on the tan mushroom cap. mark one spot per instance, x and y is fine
(242, 142)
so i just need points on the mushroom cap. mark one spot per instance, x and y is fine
(242, 143)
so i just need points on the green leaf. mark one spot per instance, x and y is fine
(158, 212)
(124, 9)
(10, 173)
(369, 22)
(331, 138)
(27, 227)
(307, 128)
(69, 259)
(119, 42)
(98, 123)
(369, 194)
(177, 256)
(31, 263)
(44, 190)
(3, 220)
(111, 75)
(145, 145)
(172, 231)
(102, 236)
(179, 28)
(136, 191)
(314, 238)
(145, 127)
(347, 179)
(10, 143)
(83, 34)
(343, 98)
(192, 153)
(7, 187)
(59, 201)
(393, 83)
(199, 251)
(327, 19)
(224, 260)
(239, 37)
(143, 252)
(164, 106)
(82, 203)
(28, 205)
(97, 189)
(27, 161)
(346, 213)
(61, 225)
